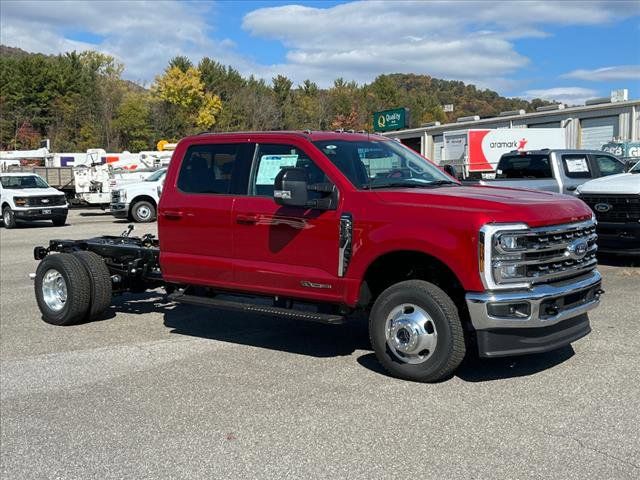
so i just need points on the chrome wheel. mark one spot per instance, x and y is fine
(54, 290)
(143, 212)
(6, 216)
(411, 333)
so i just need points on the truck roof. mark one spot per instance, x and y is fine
(18, 174)
(311, 135)
(554, 150)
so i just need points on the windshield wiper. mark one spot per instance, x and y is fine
(442, 182)
(395, 185)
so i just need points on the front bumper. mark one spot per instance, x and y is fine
(40, 213)
(556, 316)
(619, 238)
(119, 210)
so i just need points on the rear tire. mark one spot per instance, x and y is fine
(59, 221)
(416, 333)
(100, 279)
(8, 217)
(143, 211)
(63, 290)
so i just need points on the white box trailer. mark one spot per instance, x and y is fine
(476, 152)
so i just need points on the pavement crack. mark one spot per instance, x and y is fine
(593, 449)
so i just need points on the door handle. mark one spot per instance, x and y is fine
(172, 214)
(247, 219)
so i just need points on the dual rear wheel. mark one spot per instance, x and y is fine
(72, 287)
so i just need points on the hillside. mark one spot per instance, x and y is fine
(80, 100)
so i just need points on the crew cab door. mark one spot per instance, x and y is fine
(195, 214)
(289, 251)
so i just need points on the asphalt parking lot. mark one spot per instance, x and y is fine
(164, 391)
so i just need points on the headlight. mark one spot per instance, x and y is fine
(121, 194)
(500, 249)
(20, 201)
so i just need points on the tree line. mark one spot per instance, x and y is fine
(81, 101)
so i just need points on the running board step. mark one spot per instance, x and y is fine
(331, 319)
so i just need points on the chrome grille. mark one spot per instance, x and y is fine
(552, 253)
(115, 196)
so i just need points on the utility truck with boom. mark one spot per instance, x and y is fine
(316, 226)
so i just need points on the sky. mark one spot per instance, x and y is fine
(567, 51)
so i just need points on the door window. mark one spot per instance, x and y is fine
(608, 165)
(221, 168)
(271, 158)
(576, 166)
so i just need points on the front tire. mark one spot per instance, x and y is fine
(63, 290)
(143, 211)
(416, 333)
(8, 217)
(59, 221)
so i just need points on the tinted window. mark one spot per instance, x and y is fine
(524, 166)
(216, 168)
(273, 157)
(576, 166)
(26, 181)
(608, 165)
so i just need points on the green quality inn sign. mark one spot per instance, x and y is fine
(391, 119)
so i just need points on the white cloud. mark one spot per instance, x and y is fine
(471, 41)
(604, 74)
(568, 95)
(143, 35)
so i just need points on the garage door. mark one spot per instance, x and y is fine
(438, 143)
(595, 132)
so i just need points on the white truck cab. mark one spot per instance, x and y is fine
(138, 201)
(615, 200)
(26, 196)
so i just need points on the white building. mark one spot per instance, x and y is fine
(587, 127)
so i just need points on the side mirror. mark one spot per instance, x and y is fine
(290, 187)
(451, 170)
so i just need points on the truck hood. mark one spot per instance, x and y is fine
(493, 204)
(623, 183)
(32, 192)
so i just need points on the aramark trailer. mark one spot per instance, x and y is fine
(476, 152)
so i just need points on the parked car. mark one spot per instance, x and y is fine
(26, 197)
(615, 201)
(553, 170)
(138, 201)
(314, 226)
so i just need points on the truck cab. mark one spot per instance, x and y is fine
(560, 171)
(318, 226)
(27, 197)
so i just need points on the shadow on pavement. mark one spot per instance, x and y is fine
(475, 369)
(313, 339)
(273, 333)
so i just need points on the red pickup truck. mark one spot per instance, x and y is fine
(319, 225)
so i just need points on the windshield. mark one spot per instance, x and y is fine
(23, 181)
(635, 168)
(155, 176)
(382, 163)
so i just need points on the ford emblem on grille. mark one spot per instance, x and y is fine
(602, 207)
(577, 248)
(44, 200)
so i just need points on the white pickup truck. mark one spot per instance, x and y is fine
(615, 200)
(26, 196)
(138, 201)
